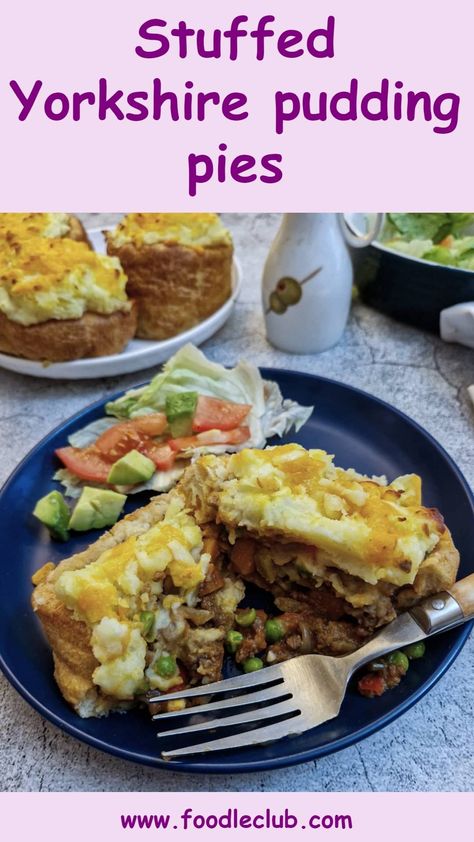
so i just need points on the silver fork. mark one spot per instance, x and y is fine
(297, 695)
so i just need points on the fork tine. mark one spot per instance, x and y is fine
(248, 738)
(275, 692)
(240, 682)
(252, 716)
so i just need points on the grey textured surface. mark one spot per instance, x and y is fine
(430, 748)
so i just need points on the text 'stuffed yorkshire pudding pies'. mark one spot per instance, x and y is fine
(179, 268)
(15, 226)
(59, 300)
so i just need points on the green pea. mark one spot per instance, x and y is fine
(399, 659)
(246, 617)
(233, 640)
(415, 651)
(274, 631)
(165, 666)
(147, 619)
(252, 665)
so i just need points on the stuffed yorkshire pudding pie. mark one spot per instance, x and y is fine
(145, 607)
(341, 553)
(179, 268)
(153, 604)
(59, 300)
(27, 225)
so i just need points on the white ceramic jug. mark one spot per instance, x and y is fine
(307, 280)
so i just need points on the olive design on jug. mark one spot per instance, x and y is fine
(287, 293)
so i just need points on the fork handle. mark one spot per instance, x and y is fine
(463, 593)
(447, 609)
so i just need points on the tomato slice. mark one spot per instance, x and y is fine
(93, 463)
(117, 441)
(84, 463)
(161, 454)
(183, 443)
(211, 437)
(150, 425)
(128, 435)
(212, 414)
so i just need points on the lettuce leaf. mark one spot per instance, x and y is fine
(189, 371)
(458, 253)
(415, 248)
(429, 226)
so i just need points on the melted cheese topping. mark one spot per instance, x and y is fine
(110, 593)
(22, 226)
(367, 529)
(193, 230)
(42, 279)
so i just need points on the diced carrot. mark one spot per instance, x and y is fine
(372, 685)
(243, 556)
(447, 242)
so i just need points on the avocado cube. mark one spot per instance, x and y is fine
(180, 411)
(96, 508)
(53, 511)
(131, 469)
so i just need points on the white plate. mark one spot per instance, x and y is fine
(139, 353)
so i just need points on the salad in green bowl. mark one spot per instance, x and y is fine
(444, 238)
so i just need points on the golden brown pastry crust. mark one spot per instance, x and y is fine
(77, 230)
(58, 340)
(69, 638)
(436, 573)
(175, 286)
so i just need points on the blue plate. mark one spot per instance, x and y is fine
(364, 433)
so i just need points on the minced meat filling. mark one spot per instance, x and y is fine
(314, 616)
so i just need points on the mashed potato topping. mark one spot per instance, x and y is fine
(110, 593)
(22, 226)
(43, 278)
(194, 230)
(357, 524)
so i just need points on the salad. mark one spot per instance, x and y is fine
(439, 237)
(192, 406)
